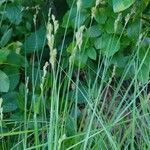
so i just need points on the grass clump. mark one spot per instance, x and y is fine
(78, 79)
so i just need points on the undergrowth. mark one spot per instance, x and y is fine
(82, 85)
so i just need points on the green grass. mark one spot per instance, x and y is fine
(114, 113)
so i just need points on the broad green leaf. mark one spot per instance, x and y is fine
(94, 31)
(17, 60)
(14, 76)
(72, 20)
(144, 52)
(36, 41)
(120, 60)
(92, 53)
(6, 37)
(109, 25)
(14, 13)
(101, 15)
(84, 3)
(120, 5)
(144, 74)
(3, 55)
(4, 82)
(71, 47)
(108, 44)
(133, 30)
(9, 107)
(81, 59)
(10, 102)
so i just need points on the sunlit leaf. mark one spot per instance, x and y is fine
(120, 5)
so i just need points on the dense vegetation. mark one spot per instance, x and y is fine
(74, 74)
